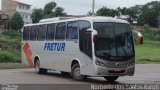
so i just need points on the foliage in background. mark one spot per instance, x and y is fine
(104, 11)
(9, 56)
(59, 11)
(16, 22)
(89, 13)
(148, 52)
(135, 39)
(37, 15)
(142, 14)
(151, 12)
(10, 46)
(50, 10)
(149, 34)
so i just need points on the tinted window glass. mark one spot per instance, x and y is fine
(42, 32)
(51, 31)
(60, 31)
(113, 40)
(124, 40)
(83, 26)
(26, 33)
(33, 33)
(105, 40)
(85, 41)
(72, 31)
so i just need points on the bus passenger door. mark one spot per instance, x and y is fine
(85, 43)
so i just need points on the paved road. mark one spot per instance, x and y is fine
(144, 74)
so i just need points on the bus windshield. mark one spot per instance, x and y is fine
(113, 40)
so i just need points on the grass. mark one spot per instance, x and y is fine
(148, 53)
(10, 47)
(9, 56)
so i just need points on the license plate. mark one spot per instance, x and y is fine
(117, 69)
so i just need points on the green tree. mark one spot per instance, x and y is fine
(48, 9)
(104, 11)
(89, 13)
(52, 10)
(150, 13)
(123, 11)
(59, 11)
(16, 22)
(37, 15)
(134, 13)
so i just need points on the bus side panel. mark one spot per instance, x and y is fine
(71, 53)
(37, 49)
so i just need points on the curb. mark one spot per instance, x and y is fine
(12, 66)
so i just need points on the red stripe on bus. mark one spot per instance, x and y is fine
(28, 54)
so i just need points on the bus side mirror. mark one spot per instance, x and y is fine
(140, 37)
(140, 40)
(88, 31)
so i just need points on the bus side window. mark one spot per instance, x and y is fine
(60, 31)
(26, 33)
(72, 31)
(33, 33)
(51, 28)
(85, 41)
(41, 33)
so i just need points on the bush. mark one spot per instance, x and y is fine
(148, 33)
(10, 40)
(157, 35)
(10, 47)
(135, 38)
(6, 56)
(11, 34)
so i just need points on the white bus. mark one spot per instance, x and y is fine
(84, 47)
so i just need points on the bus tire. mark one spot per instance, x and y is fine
(111, 78)
(76, 73)
(38, 69)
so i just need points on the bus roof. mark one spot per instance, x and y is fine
(54, 19)
(92, 19)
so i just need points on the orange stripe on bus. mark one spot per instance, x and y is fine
(28, 54)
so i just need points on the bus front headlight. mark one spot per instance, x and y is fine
(131, 63)
(100, 63)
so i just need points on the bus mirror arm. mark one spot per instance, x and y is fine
(140, 36)
(89, 30)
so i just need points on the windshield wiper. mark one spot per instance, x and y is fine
(107, 55)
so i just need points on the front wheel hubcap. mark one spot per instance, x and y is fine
(77, 72)
(37, 67)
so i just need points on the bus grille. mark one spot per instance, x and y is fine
(116, 65)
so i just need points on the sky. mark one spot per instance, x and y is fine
(81, 7)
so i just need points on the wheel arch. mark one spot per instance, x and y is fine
(36, 58)
(75, 61)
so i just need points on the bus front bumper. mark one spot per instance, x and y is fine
(103, 71)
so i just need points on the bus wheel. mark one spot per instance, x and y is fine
(111, 78)
(76, 73)
(38, 69)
